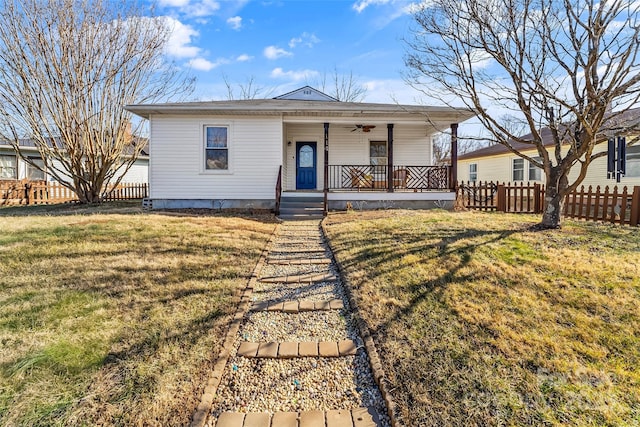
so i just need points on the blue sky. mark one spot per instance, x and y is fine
(283, 45)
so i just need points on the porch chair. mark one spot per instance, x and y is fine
(360, 180)
(400, 178)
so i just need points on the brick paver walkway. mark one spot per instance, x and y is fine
(299, 245)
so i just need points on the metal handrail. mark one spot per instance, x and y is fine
(278, 190)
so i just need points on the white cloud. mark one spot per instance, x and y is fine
(244, 58)
(363, 4)
(201, 64)
(173, 3)
(202, 8)
(235, 22)
(193, 8)
(274, 52)
(305, 39)
(300, 75)
(179, 44)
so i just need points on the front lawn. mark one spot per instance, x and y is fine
(481, 322)
(111, 316)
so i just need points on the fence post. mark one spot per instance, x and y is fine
(635, 207)
(27, 193)
(536, 198)
(502, 198)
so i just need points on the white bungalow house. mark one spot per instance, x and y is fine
(304, 145)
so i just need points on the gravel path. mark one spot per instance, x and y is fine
(303, 383)
(266, 326)
(277, 292)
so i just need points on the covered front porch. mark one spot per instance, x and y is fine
(370, 164)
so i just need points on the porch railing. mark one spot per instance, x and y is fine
(278, 191)
(375, 178)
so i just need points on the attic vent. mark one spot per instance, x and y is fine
(307, 92)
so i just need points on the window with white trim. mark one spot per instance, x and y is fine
(8, 166)
(216, 148)
(632, 168)
(517, 170)
(535, 173)
(473, 172)
(33, 173)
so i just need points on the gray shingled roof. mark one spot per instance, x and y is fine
(293, 108)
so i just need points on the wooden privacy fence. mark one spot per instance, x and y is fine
(613, 205)
(25, 192)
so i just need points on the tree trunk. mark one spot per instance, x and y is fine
(557, 184)
(88, 192)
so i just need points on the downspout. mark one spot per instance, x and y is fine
(326, 168)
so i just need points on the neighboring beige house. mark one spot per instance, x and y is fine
(497, 163)
(12, 167)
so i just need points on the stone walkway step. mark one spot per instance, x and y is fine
(359, 417)
(292, 251)
(301, 261)
(300, 278)
(288, 350)
(298, 305)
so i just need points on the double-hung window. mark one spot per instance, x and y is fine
(473, 172)
(632, 168)
(33, 173)
(535, 173)
(378, 154)
(216, 148)
(517, 170)
(8, 166)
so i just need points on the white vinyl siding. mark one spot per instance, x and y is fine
(177, 156)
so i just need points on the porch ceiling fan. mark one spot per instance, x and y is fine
(364, 128)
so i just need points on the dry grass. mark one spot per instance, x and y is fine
(480, 321)
(111, 316)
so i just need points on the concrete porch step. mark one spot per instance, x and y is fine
(307, 207)
(359, 417)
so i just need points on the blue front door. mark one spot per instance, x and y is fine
(305, 165)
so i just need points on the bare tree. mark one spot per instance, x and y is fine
(67, 68)
(442, 147)
(248, 90)
(343, 87)
(569, 66)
